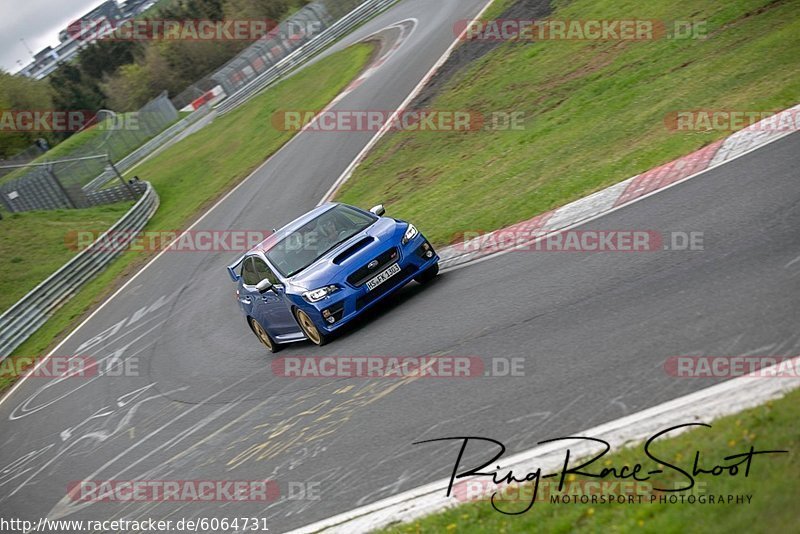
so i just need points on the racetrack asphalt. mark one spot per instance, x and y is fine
(593, 330)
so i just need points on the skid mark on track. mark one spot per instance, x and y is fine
(291, 435)
(28, 406)
(320, 415)
(127, 457)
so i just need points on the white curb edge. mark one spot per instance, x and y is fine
(703, 406)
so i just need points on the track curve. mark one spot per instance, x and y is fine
(594, 331)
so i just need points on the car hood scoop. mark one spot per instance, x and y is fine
(321, 273)
(353, 250)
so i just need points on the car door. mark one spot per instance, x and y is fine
(271, 307)
(248, 294)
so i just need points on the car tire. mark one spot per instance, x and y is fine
(309, 328)
(429, 274)
(263, 336)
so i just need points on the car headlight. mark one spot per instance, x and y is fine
(411, 233)
(320, 294)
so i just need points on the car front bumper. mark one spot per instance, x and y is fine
(350, 302)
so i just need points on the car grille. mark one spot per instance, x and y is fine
(365, 274)
(387, 286)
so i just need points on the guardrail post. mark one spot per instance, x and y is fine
(28, 314)
(60, 186)
(5, 201)
(121, 179)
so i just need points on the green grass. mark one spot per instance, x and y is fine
(497, 8)
(93, 135)
(81, 143)
(61, 150)
(774, 483)
(594, 113)
(190, 175)
(196, 170)
(33, 245)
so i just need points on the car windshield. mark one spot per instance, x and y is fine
(305, 246)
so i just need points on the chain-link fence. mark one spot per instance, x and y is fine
(21, 158)
(265, 53)
(342, 26)
(20, 321)
(197, 90)
(44, 188)
(79, 179)
(59, 184)
(287, 37)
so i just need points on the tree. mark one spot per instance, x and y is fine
(104, 57)
(21, 93)
(129, 88)
(258, 9)
(74, 90)
(124, 75)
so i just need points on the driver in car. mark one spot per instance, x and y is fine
(328, 234)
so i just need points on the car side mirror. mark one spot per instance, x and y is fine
(378, 210)
(264, 286)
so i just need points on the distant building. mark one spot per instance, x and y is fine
(105, 16)
(87, 29)
(131, 8)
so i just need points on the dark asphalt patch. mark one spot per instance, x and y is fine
(471, 51)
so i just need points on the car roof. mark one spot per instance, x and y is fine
(266, 245)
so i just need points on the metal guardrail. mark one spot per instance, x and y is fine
(29, 313)
(363, 12)
(146, 149)
(340, 28)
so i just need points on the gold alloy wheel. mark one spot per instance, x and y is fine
(262, 335)
(309, 328)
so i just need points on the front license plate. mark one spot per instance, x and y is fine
(384, 276)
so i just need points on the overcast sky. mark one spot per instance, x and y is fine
(36, 21)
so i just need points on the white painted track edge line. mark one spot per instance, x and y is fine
(652, 415)
(581, 222)
(258, 169)
(348, 172)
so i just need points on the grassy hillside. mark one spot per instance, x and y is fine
(594, 113)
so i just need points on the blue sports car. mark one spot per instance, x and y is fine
(325, 269)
